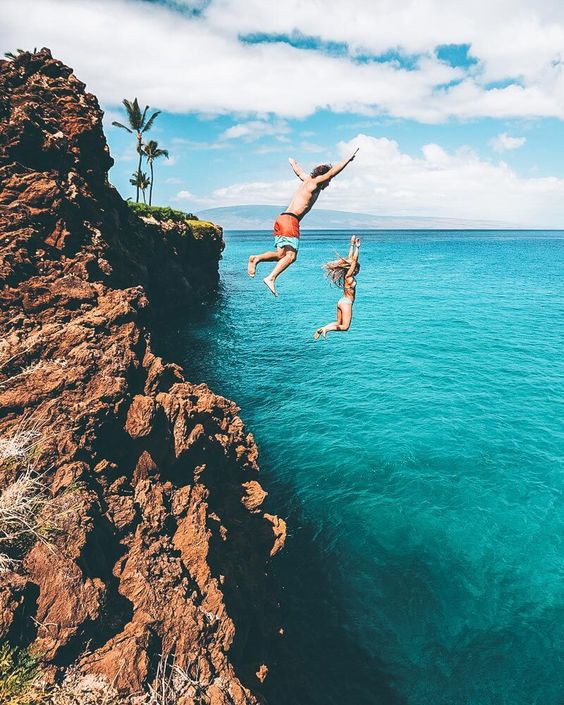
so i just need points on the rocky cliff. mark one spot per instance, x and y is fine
(150, 540)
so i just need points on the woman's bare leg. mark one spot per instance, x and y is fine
(343, 324)
(339, 315)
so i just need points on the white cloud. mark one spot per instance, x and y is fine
(503, 142)
(256, 192)
(255, 129)
(511, 37)
(385, 181)
(198, 63)
(187, 196)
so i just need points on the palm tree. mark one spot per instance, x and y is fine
(137, 125)
(140, 180)
(152, 151)
(11, 55)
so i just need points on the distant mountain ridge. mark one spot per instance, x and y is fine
(257, 217)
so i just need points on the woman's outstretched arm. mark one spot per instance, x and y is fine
(351, 248)
(353, 258)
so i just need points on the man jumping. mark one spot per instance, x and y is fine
(287, 225)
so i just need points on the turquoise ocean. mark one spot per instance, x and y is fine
(418, 459)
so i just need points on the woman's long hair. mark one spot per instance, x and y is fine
(336, 271)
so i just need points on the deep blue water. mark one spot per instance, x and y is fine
(418, 458)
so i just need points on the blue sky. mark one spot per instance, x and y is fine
(457, 110)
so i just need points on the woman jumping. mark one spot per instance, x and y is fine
(342, 273)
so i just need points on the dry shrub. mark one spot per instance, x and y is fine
(22, 500)
(84, 689)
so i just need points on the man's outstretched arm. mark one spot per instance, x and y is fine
(298, 171)
(334, 170)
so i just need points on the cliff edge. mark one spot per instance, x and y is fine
(149, 541)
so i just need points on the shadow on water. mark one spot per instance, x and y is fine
(317, 660)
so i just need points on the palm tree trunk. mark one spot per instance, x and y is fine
(151, 185)
(139, 166)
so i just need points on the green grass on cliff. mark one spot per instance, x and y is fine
(160, 212)
(18, 677)
(200, 229)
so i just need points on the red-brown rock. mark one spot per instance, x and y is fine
(160, 544)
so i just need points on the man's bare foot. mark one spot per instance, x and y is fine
(252, 266)
(270, 284)
(317, 334)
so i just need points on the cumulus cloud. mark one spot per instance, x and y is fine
(256, 192)
(187, 198)
(255, 129)
(184, 195)
(386, 181)
(504, 143)
(198, 62)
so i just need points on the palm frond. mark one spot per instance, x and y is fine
(151, 120)
(123, 127)
(150, 147)
(128, 106)
(140, 178)
(153, 151)
(11, 55)
(133, 113)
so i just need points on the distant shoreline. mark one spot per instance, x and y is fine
(406, 230)
(261, 217)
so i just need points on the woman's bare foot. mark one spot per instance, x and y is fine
(252, 266)
(270, 284)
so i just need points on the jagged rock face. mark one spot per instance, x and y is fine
(160, 544)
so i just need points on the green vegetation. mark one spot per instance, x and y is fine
(21, 684)
(152, 151)
(14, 55)
(18, 677)
(138, 125)
(160, 212)
(200, 229)
(141, 181)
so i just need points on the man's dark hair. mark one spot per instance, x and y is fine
(320, 170)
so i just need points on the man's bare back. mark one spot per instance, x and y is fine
(287, 225)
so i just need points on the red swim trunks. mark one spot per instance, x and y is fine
(287, 231)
